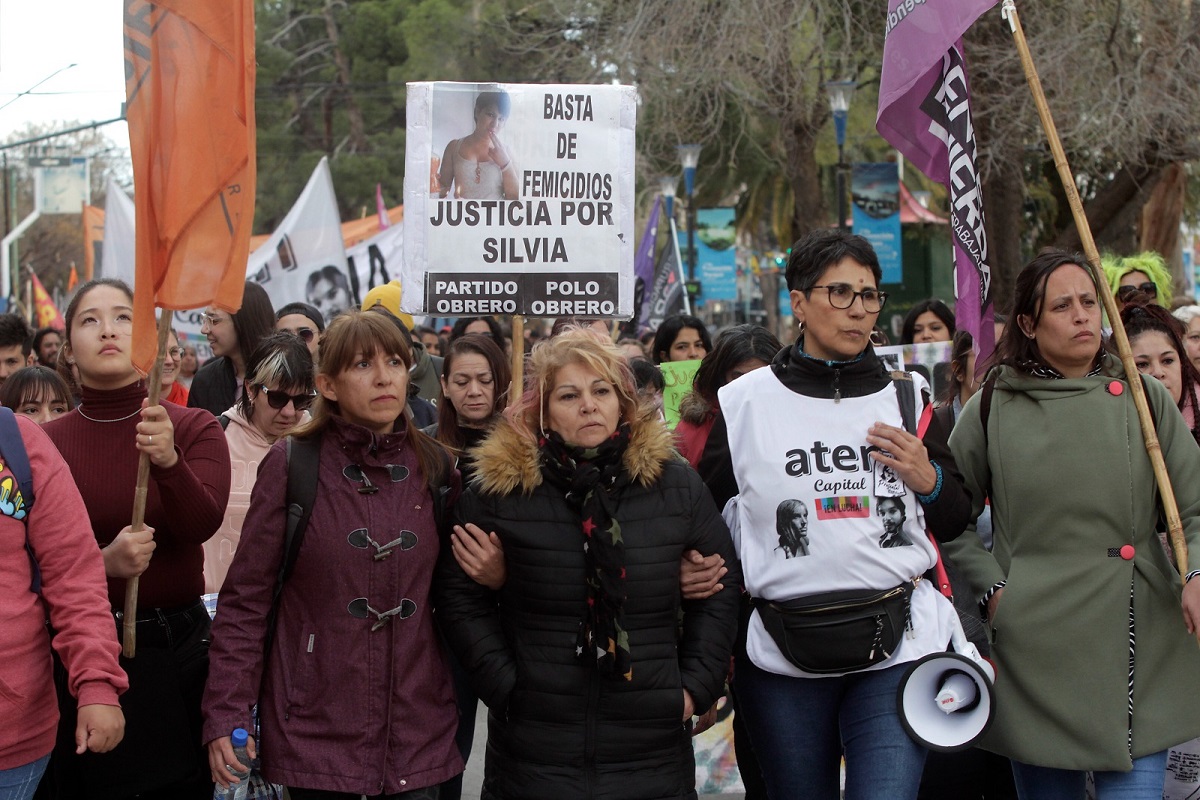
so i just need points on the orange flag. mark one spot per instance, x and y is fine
(93, 240)
(72, 279)
(189, 67)
(45, 313)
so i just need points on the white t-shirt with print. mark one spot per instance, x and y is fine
(816, 514)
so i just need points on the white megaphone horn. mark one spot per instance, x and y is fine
(945, 700)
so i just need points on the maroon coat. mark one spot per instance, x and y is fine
(344, 708)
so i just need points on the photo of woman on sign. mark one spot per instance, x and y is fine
(477, 166)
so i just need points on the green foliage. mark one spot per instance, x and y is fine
(342, 94)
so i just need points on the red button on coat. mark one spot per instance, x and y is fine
(1127, 552)
(1115, 388)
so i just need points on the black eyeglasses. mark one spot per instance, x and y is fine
(278, 400)
(1148, 288)
(841, 296)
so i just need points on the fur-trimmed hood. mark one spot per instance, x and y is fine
(507, 460)
(695, 409)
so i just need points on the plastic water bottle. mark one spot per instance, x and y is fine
(237, 791)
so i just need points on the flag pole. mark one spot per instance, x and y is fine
(517, 387)
(1149, 434)
(129, 624)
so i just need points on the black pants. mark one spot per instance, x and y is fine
(161, 755)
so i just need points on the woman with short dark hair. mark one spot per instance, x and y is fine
(824, 426)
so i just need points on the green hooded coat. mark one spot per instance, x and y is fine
(1071, 485)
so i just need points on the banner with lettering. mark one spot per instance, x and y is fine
(925, 112)
(376, 261)
(716, 254)
(519, 199)
(875, 189)
(305, 258)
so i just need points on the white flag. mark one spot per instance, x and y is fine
(117, 255)
(305, 259)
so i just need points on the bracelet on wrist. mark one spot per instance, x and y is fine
(937, 487)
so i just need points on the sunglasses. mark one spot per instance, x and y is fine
(1148, 288)
(306, 334)
(278, 400)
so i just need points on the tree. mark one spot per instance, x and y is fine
(331, 82)
(744, 79)
(55, 241)
(1121, 82)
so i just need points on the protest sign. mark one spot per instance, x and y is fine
(930, 359)
(519, 200)
(677, 383)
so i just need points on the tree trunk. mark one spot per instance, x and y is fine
(1112, 211)
(358, 129)
(1160, 220)
(1003, 201)
(805, 179)
(768, 282)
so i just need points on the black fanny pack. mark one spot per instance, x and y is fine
(838, 631)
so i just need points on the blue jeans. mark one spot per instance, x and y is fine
(800, 728)
(19, 783)
(1145, 782)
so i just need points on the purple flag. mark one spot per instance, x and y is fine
(643, 268)
(924, 111)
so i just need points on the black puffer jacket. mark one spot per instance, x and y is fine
(556, 728)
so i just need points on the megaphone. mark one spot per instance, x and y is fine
(945, 700)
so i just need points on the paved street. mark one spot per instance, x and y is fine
(473, 779)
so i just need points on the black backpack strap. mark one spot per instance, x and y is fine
(304, 460)
(224, 420)
(12, 449)
(303, 464)
(985, 403)
(904, 395)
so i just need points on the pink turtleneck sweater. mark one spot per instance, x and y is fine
(185, 504)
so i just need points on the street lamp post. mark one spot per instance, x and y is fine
(840, 93)
(666, 187)
(689, 156)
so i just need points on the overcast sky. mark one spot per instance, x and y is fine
(41, 37)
